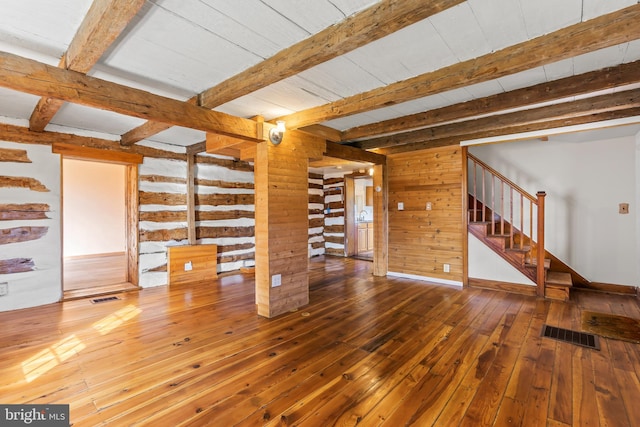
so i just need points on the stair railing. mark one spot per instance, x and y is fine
(496, 196)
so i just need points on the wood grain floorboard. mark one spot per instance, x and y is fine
(366, 351)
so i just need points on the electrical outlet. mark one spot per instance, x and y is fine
(276, 280)
(4, 289)
(447, 268)
(428, 206)
(400, 206)
(188, 266)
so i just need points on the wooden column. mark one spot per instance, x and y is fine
(380, 220)
(282, 222)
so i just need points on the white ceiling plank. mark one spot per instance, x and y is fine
(234, 31)
(15, 104)
(501, 21)
(559, 69)
(523, 79)
(187, 57)
(595, 8)
(480, 90)
(413, 50)
(633, 52)
(545, 16)
(312, 15)
(341, 76)
(180, 136)
(466, 43)
(49, 31)
(252, 105)
(92, 119)
(599, 59)
(259, 16)
(349, 7)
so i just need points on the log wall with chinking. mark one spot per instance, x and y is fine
(334, 214)
(224, 205)
(316, 215)
(421, 241)
(30, 250)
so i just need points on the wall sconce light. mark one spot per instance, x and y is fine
(370, 171)
(277, 133)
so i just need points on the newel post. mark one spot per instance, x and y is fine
(540, 276)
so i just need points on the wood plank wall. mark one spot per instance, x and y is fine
(316, 215)
(334, 215)
(282, 222)
(30, 249)
(421, 241)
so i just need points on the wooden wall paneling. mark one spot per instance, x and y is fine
(380, 220)
(191, 263)
(421, 241)
(464, 190)
(282, 222)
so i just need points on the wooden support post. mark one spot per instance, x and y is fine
(380, 220)
(540, 273)
(282, 222)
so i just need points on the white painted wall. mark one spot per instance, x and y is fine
(93, 207)
(585, 180)
(44, 284)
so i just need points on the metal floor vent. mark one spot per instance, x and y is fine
(573, 337)
(105, 299)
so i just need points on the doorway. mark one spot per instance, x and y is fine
(94, 207)
(359, 216)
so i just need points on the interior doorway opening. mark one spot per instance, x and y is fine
(359, 216)
(94, 208)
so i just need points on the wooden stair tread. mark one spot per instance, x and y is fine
(534, 263)
(557, 278)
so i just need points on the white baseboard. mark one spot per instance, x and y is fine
(426, 279)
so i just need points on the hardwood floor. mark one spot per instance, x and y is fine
(94, 271)
(366, 351)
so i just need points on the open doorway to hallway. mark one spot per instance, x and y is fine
(359, 216)
(94, 228)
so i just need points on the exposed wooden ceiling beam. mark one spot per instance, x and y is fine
(606, 78)
(354, 154)
(512, 130)
(379, 20)
(24, 135)
(33, 77)
(584, 107)
(604, 31)
(102, 25)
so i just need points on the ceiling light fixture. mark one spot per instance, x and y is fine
(277, 133)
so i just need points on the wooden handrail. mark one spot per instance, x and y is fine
(502, 177)
(513, 191)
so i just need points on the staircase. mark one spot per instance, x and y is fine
(506, 219)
